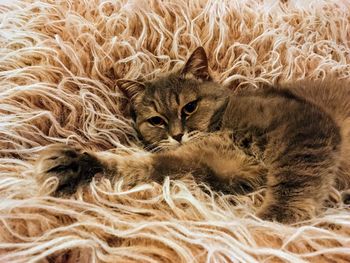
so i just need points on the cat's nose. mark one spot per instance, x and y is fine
(178, 137)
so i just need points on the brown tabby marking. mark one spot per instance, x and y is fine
(292, 139)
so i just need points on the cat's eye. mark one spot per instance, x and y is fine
(190, 108)
(156, 121)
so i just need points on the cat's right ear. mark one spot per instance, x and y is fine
(197, 65)
(130, 88)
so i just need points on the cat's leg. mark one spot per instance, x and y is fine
(212, 159)
(298, 184)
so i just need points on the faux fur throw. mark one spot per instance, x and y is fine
(59, 61)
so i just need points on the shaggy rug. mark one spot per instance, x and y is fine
(59, 61)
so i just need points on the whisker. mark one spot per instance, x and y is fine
(158, 146)
(153, 145)
(193, 135)
(156, 149)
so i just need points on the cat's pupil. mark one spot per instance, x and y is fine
(190, 107)
(156, 121)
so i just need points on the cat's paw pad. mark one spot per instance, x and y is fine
(71, 166)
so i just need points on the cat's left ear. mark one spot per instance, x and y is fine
(197, 65)
(130, 88)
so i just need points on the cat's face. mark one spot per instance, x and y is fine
(174, 108)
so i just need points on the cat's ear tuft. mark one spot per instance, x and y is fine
(197, 65)
(130, 88)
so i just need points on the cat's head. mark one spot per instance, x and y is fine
(170, 109)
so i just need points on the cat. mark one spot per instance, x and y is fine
(292, 139)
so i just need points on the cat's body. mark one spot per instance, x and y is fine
(294, 140)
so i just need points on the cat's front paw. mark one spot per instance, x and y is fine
(284, 214)
(72, 167)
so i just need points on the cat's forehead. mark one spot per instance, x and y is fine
(170, 83)
(166, 95)
(170, 86)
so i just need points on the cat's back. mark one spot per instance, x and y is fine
(332, 95)
(329, 97)
(268, 104)
(275, 111)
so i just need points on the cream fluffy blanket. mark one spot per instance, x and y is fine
(58, 64)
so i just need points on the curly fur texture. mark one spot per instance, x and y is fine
(59, 61)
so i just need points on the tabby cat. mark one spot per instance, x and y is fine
(291, 139)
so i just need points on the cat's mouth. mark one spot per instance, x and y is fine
(171, 143)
